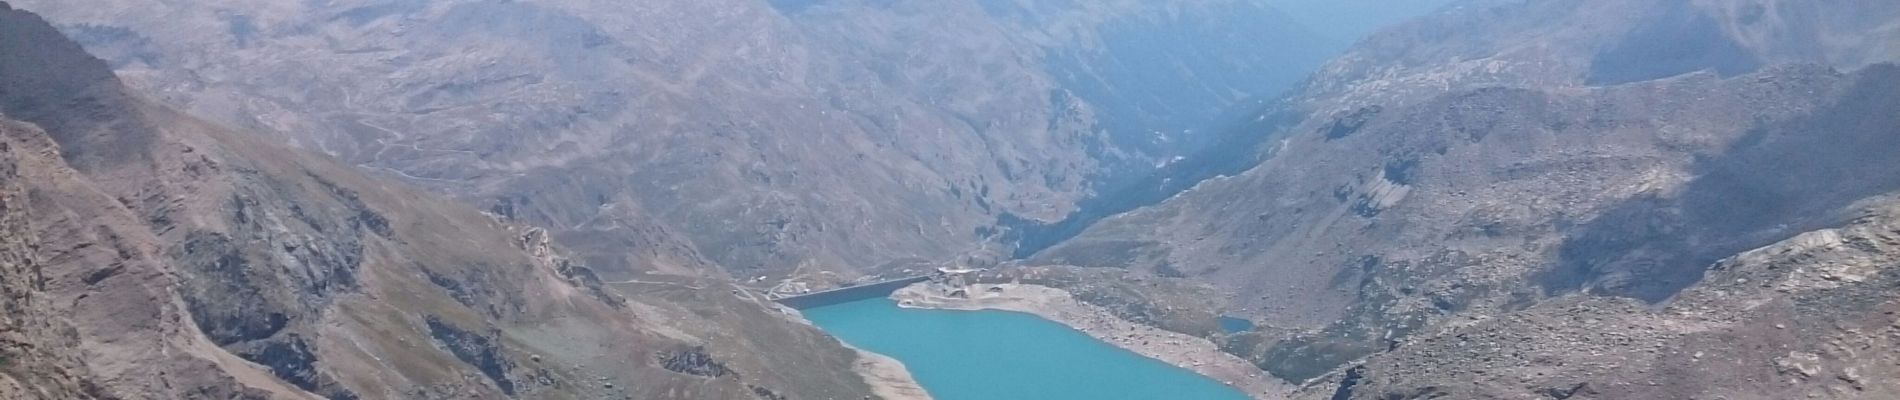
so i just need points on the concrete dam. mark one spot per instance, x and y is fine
(849, 294)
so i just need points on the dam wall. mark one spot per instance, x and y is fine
(849, 294)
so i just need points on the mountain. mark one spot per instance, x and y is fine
(148, 254)
(815, 140)
(1351, 19)
(1564, 199)
(1809, 317)
(36, 345)
(1499, 155)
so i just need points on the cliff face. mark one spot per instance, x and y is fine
(99, 304)
(761, 135)
(178, 259)
(35, 342)
(1483, 160)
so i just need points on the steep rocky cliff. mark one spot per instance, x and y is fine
(36, 357)
(151, 254)
(1482, 160)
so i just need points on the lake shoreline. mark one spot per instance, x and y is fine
(888, 378)
(1188, 352)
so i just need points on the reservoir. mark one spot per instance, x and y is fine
(1000, 355)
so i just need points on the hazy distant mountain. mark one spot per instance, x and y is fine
(772, 136)
(147, 254)
(1503, 152)
(1351, 19)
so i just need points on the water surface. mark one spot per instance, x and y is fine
(1235, 324)
(998, 355)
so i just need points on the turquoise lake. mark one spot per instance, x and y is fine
(998, 355)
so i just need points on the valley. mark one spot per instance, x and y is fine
(761, 137)
(968, 199)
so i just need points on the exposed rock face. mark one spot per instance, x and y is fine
(149, 254)
(36, 357)
(693, 361)
(1483, 160)
(1810, 317)
(761, 136)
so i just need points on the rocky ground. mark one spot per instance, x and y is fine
(888, 377)
(1189, 352)
(1810, 317)
(37, 358)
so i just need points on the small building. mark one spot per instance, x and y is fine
(957, 277)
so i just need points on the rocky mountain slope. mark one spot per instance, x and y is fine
(149, 254)
(761, 136)
(36, 356)
(1501, 153)
(1813, 317)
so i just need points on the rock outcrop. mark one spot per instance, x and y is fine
(1813, 316)
(37, 360)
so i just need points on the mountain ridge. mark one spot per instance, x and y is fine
(238, 269)
(760, 138)
(1466, 165)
